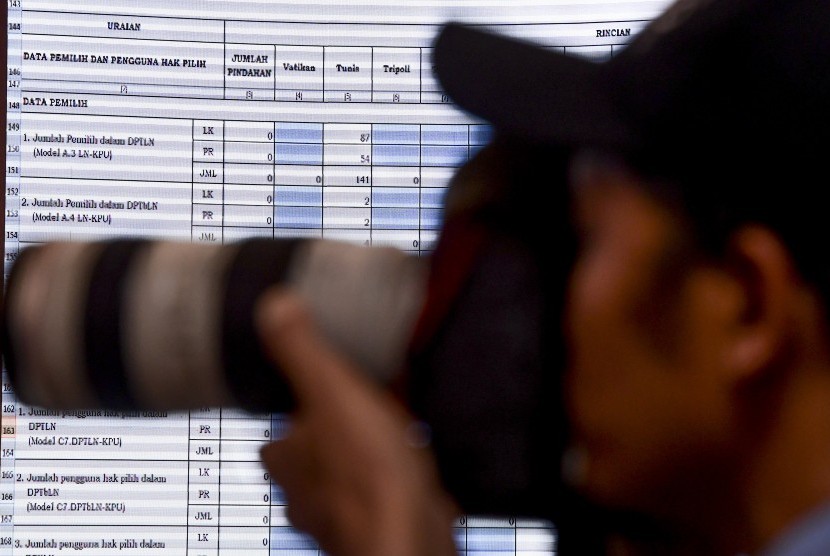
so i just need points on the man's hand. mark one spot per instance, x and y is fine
(353, 472)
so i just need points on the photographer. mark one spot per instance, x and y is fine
(699, 379)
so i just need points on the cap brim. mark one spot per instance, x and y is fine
(526, 90)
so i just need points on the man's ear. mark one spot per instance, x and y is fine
(771, 293)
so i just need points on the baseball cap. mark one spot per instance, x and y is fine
(729, 98)
(707, 81)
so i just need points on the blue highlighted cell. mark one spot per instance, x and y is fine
(395, 218)
(298, 133)
(481, 134)
(433, 198)
(443, 155)
(432, 219)
(297, 196)
(444, 135)
(490, 541)
(280, 425)
(389, 134)
(284, 538)
(395, 197)
(299, 153)
(277, 495)
(298, 217)
(396, 155)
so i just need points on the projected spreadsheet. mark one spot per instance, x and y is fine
(213, 122)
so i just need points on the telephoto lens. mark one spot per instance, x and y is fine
(140, 324)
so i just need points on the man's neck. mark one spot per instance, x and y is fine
(787, 467)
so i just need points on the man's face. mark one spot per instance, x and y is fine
(648, 410)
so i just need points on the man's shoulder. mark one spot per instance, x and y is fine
(808, 536)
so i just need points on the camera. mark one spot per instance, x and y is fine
(468, 337)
